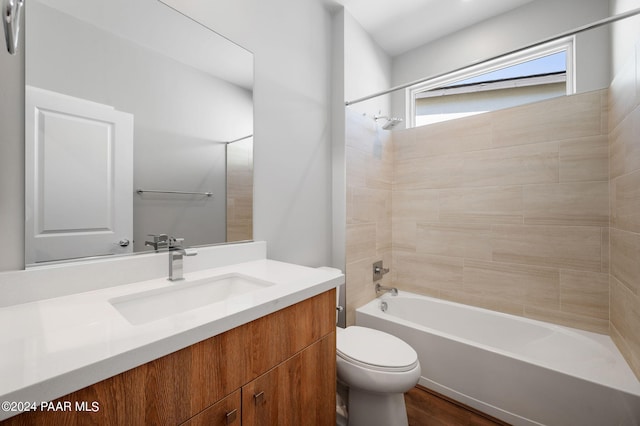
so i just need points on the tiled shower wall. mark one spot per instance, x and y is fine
(624, 168)
(369, 161)
(533, 211)
(508, 210)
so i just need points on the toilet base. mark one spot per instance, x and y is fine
(376, 409)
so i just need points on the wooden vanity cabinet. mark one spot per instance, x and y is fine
(299, 391)
(288, 355)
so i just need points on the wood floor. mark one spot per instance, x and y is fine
(427, 408)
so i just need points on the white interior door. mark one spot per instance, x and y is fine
(79, 178)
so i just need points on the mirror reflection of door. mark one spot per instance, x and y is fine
(79, 177)
(191, 93)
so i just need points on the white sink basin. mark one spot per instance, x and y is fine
(183, 296)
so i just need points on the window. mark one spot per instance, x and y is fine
(528, 76)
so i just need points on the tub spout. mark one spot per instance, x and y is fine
(382, 289)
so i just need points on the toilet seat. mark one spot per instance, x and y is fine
(375, 350)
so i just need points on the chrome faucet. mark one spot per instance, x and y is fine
(159, 241)
(379, 271)
(176, 253)
(380, 288)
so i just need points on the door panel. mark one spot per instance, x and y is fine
(79, 178)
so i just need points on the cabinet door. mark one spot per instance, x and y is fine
(224, 413)
(300, 391)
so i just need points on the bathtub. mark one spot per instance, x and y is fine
(522, 371)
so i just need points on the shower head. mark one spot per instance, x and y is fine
(391, 121)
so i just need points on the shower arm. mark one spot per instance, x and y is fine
(578, 30)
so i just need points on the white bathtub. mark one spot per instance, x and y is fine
(522, 371)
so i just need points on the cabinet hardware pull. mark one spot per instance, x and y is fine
(231, 416)
(259, 397)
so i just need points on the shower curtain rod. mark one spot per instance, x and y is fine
(239, 139)
(578, 30)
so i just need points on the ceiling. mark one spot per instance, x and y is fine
(401, 25)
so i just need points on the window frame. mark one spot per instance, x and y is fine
(566, 44)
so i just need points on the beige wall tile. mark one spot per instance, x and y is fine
(404, 235)
(384, 232)
(498, 204)
(625, 206)
(585, 293)
(567, 319)
(427, 271)
(459, 240)
(625, 258)
(570, 247)
(605, 250)
(584, 159)
(379, 170)
(416, 205)
(629, 356)
(470, 134)
(605, 111)
(519, 284)
(369, 205)
(444, 171)
(412, 287)
(361, 241)
(528, 164)
(357, 167)
(625, 317)
(560, 118)
(637, 73)
(625, 145)
(404, 141)
(512, 307)
(567, 204)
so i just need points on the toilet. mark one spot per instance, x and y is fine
(378, 369)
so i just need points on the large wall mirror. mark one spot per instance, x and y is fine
(139, 121)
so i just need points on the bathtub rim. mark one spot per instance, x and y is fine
(372, 308)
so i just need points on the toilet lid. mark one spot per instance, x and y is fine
(375, 348)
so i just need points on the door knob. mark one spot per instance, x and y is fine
(124, 242)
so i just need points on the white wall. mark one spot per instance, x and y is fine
(625, 34)
(513, 30)
(12, 157)
(367, 69)
(291, 43)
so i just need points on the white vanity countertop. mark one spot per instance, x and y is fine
(52, 347)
